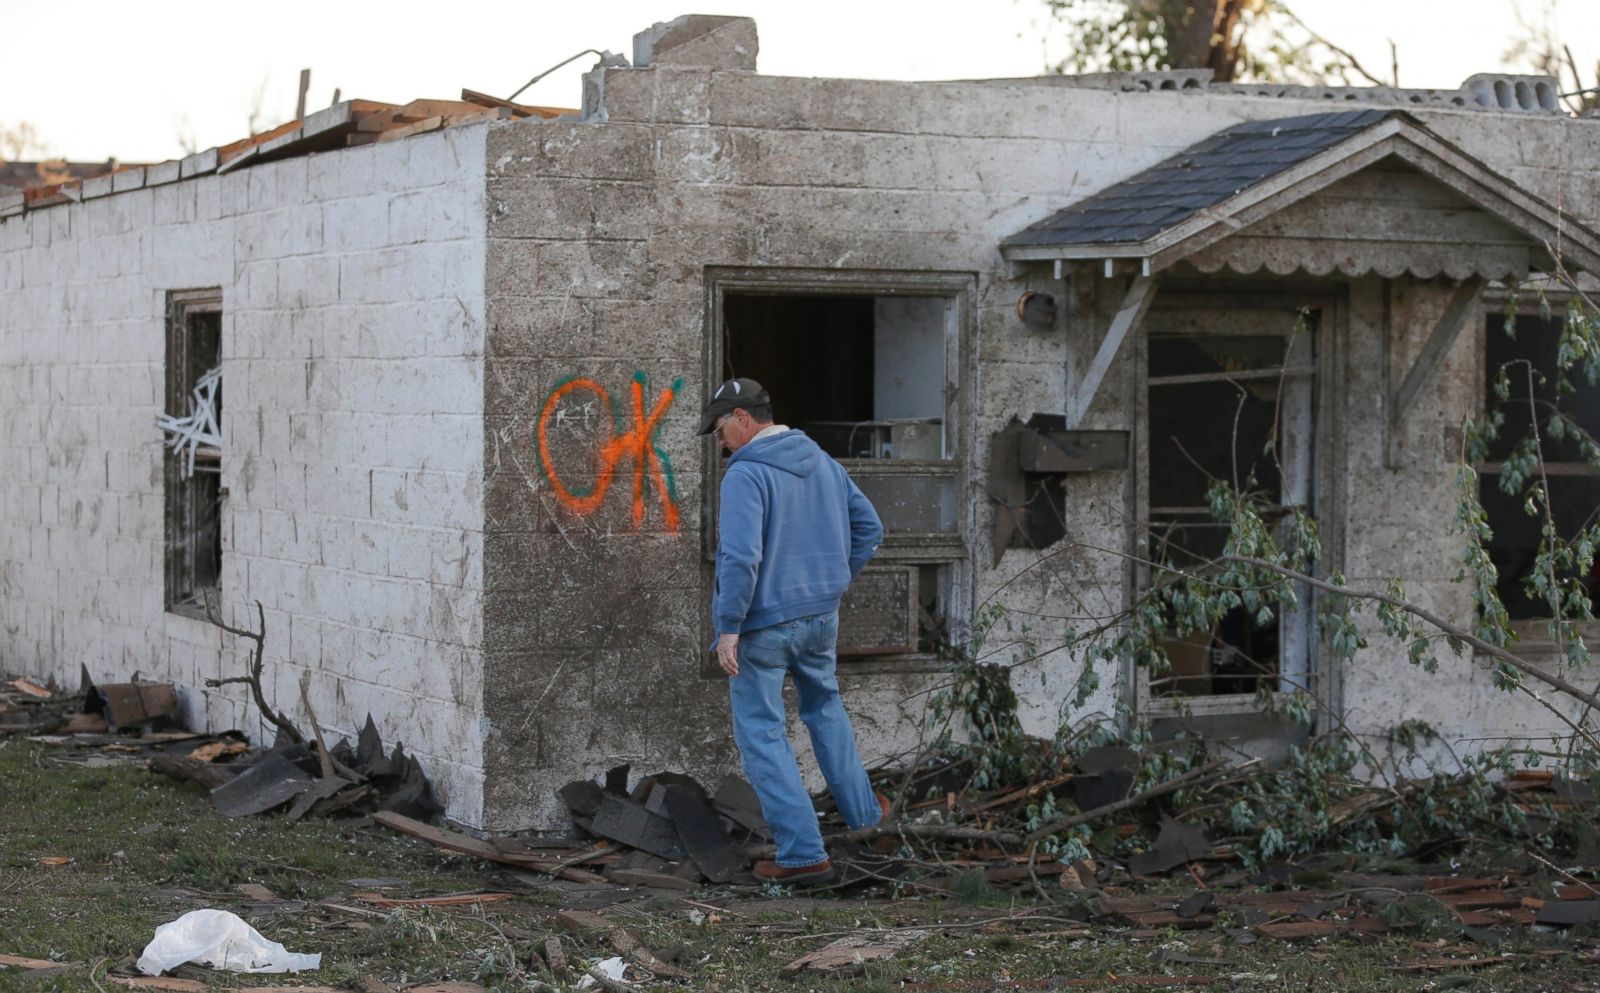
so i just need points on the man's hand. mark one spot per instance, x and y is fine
(728, 653)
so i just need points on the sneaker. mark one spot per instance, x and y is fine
(802, 875)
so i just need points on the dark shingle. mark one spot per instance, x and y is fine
(1201, 176)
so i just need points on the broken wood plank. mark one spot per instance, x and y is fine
(1479, 899)
(169, 984)
(20, 962)
(31, 688)
(463, 844)
(1296, 930)
(1436, 965)
(583, 922)
(642, 877)
(452, 900)
(414, 128)
(556, 958)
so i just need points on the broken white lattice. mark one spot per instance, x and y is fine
(186, 434)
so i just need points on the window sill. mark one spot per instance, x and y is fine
(1215, 705)
(196, 611)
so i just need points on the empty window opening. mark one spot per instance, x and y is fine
(193, 472)
(862, 375)
(1530, 351)
(1237, 408)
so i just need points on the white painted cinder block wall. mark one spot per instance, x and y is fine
(353, 316)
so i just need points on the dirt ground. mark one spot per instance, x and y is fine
(93, 857)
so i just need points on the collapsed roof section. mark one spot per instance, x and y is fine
(1243, 198)
(343, 125)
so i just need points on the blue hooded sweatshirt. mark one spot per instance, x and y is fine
(794, 531)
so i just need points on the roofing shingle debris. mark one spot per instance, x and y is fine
(343, 125)
(1200, 177)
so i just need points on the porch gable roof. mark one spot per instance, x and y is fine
(1248, 172)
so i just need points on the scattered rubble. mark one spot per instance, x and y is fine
(109, 723)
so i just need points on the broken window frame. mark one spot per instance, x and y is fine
(1265, 310)
(184, 561)
(1533, 634)
(946, 550)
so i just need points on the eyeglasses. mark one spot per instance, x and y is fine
(722, 423)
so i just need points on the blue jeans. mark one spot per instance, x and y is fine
(802, 649)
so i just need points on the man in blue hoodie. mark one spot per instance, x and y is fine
(793, 532)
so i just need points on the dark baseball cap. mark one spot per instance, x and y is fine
(730, 396)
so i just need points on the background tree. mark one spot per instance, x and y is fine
(1537, 47)
(1247, 40)
(21, 142)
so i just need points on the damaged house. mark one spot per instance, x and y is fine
(430, 381)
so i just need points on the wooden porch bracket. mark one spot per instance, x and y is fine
(1463, 304)
(1081, 394)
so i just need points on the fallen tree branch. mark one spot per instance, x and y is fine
(1160, 789)
(254, 678)
(1444, 626)
(933, 832)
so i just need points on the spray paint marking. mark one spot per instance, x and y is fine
(635, 446)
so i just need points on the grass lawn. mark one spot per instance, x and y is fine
(144, 849)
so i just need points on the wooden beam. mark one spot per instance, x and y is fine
(1128, 316)
(1463, 303)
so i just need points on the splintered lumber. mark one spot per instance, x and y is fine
(1295, 930)
(183, 767)
(31, 689)
(453, 900)
(642, 877)
(556, 957)
(518, 109)
(19, 962)
(464, 844)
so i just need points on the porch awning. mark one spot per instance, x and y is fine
(1356, 191)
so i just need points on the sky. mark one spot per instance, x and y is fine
(139, 81)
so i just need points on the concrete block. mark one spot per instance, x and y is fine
(611, 151)
(355, 224)
(128, 179)
(453, 155)
(616, 270)
(571, 209)
(748, 100)
(444, 212)
(665, 95)
(270, 185)
(308, 281)
(198, 164)
(699, 40)
(173, 204)
(278, 233)
(255, 286)
(162, 173)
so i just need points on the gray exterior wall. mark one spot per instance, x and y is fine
(352, 340)
(601, 236)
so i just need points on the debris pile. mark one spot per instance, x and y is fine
(138, 722)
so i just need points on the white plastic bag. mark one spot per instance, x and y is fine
(221, 940)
